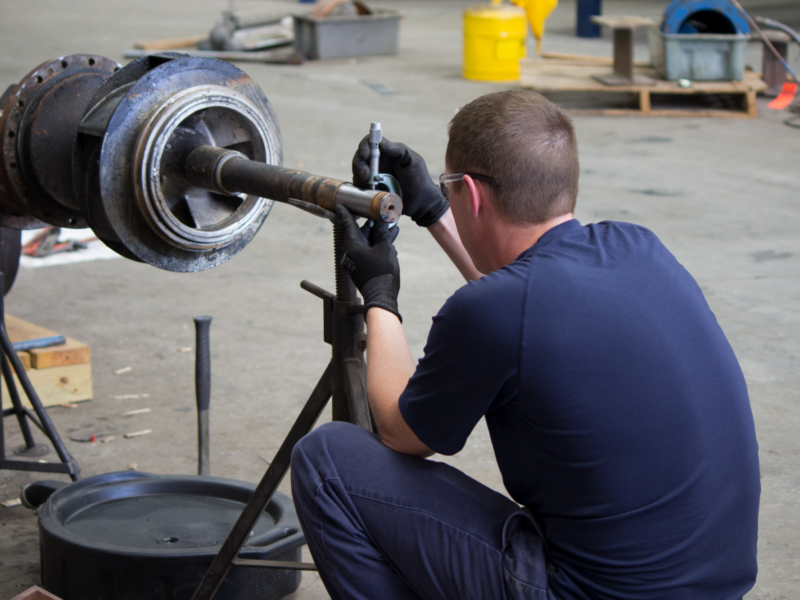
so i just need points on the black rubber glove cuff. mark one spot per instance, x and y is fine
(381, 292)
(435, 211)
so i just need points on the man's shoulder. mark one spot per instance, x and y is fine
(497, 286)
(490, 303)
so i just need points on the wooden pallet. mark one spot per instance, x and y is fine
(59, 374)
(551, 77)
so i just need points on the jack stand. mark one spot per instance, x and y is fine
(68, 464)
(343, 380)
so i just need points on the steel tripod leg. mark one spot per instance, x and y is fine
(16, 402)
(44, 418)
(266, 488)
(72, 466)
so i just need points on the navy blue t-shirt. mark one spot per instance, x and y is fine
(617, 410)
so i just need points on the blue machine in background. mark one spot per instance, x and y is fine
(704, 16)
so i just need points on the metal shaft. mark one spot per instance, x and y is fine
(202, 381)
(228, 172)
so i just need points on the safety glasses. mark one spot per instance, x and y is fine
(446, 180)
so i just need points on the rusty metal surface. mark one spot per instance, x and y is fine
(227, 172)
(38, 127)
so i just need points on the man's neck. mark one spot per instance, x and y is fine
(511, 240)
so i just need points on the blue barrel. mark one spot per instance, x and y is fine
(704, 16)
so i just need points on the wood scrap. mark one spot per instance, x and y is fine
(170, 44)
(586, 59)
(138, 411)
(134, 434)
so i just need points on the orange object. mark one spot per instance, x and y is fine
(785, 98)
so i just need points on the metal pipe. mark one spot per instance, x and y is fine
(780, 26)
(229, 172)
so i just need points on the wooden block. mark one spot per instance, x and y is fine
(21, 331)
(36, 593)
(644, 101)
(72, 352)
(56, 385)
(25, 359)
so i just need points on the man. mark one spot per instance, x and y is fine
(618, 412)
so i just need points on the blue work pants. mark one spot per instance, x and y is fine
(385, 525)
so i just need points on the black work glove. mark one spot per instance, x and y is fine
(371, 259)
(422, 198)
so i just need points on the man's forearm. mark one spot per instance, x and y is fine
(389, 367)
(445, 233)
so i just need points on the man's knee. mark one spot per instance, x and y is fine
(315, 456)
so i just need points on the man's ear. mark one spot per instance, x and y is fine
(476, 196)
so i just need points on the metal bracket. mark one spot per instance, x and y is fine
(386, 183)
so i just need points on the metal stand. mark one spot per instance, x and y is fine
(343, 380)
(623, 51)
(68, 464)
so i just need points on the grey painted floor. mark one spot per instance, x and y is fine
(721, 193)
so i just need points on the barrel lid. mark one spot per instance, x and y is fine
(145, 515)
(495, 10)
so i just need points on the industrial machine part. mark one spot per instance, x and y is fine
(10, 251)
(133, 535)
(87, 143)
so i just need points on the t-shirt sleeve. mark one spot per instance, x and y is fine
(470, 365)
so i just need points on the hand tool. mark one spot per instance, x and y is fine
(202, 383)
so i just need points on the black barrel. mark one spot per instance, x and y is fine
(130, 535)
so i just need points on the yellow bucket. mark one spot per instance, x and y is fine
(494, 41)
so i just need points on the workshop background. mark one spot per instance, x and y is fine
(722, 194)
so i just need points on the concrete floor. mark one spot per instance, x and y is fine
(721, 193)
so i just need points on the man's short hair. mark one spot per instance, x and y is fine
(527, 145)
